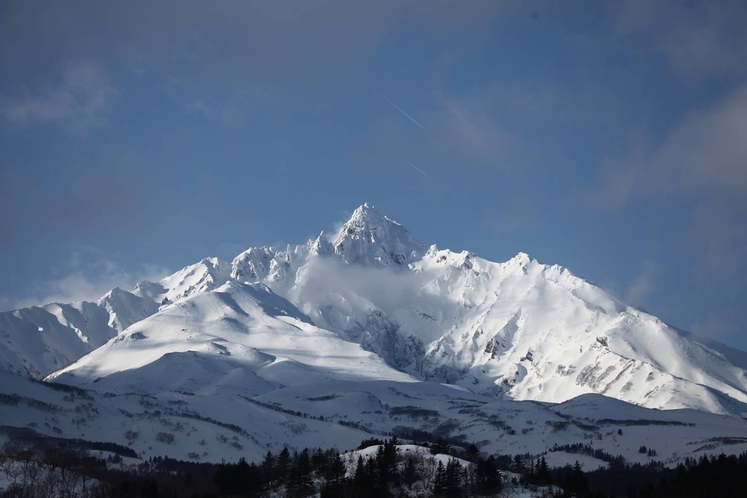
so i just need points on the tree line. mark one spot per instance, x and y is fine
(387, 470)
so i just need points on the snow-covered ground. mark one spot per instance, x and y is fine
(351, 457)
(562, 458)
(341, 413)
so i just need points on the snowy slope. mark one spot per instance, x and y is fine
(41, 339)
(341, 413)
(515, 330)
(517, 427)
(204, 428)
(239, 335)
(534, 331)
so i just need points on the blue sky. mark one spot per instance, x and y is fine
(608, 137)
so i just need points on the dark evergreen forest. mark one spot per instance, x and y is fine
(387, 472)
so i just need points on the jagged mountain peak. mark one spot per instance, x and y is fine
(367, 213)
(125, 308)
(371, 239)
(525, 263)
(321, 246)
(522, 258)
(206, 275)
(112, 294)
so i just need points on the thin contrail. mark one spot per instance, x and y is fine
(396, 107)
(417, 169)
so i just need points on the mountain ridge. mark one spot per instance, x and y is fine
(518, 329)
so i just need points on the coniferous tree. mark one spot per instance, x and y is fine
(439, 482)
(300, 481)
(268, 469)
(487, 477)
(543, 471)
(283, 464)
(386, 460)
(149, 489)
(410, 473)
(449, 480)
(454, 479)
(334, 473)
(240, 479)
(318, 460)
(364, 481)
(576, 481)
(440, 446)
(472, 453)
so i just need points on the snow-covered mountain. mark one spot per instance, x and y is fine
(373, 302)
(239, 337)
(41, 339)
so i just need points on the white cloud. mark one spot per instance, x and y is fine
(701, 160)
(707, 151)
(282, 46)
(384, 287)
(704, 154)
(476, 134)
(331, 234)
(698, 39)
(643, 284)
(87, 275)
(80, 100)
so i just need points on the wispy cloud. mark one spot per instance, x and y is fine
(87, 275)
(80, 100)
(704, 153)
(698, 39)
(233, 44)
(643, 285)
(702, 160)
(707, 152)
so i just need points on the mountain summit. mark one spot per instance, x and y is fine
(375, 303)
(370, 238)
